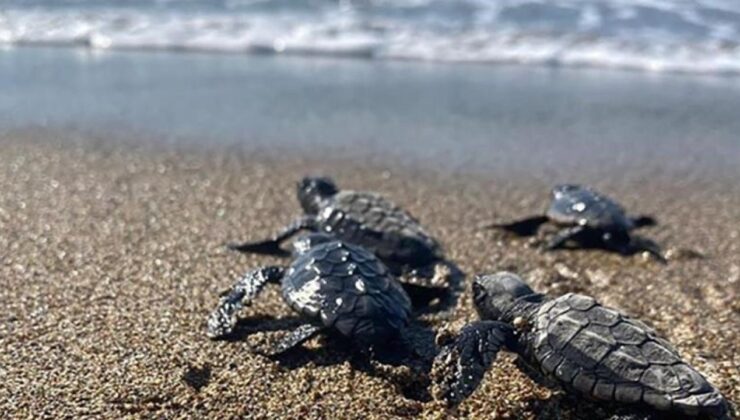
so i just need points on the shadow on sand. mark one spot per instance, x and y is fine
(404, 362)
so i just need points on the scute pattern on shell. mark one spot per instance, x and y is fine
(605, 355)
(346, 287)
(576, 205)
(372, 221)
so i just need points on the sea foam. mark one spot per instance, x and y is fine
(701, 36)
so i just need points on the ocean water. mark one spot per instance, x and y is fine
(522, 121)
(694, 36)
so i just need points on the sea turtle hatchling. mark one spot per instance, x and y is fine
(367, 219)
(336, 286)
(574, 343)
(589, 218)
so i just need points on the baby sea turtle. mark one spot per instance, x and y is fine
(336, 286)
(574, 343)
(588, 218)
(365, 219)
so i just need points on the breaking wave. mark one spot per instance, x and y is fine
(699, 36)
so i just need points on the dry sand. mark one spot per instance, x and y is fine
(113, 257)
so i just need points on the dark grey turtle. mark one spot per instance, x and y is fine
(336, 286)
(369, 220)
(590, 219)
(574, 343)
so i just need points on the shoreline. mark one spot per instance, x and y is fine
(85, 48)
(114, 257)
(490, 120)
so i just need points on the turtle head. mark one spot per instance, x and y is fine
(313, 190)
(305, 242)
(496, 295)
(562, 189)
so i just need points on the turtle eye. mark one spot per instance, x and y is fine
(479, 293)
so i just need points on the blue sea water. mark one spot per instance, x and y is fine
(511, 120)
(146, 69)
(695, 36)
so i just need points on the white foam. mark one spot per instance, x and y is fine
(654, 35)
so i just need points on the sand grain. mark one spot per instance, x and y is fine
(112, 258)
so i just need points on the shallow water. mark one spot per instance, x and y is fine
(510, 119)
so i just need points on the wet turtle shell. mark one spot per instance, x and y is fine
(578, 205)
(375, 223)
(604, 355)
(345, 287)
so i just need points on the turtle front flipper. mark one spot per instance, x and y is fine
(266, 247)
(642, 244)
(524, 227)
(563, 236)
(534, 374)
(643, 221)
(627, 245)
(293, 339)
(272, 246)
(461, 365)
(222, 320)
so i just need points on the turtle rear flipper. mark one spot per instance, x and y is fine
(292, 339)
(524, 227)
(434, 287)
(460, 366)
(423, 297)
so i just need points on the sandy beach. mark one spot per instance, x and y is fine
(113, 257)
(137, 138)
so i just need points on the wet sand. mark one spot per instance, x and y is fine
(112, 258)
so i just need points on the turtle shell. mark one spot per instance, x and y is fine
(346, 287)
(604, 355)
(379, 225)
(577, 205)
